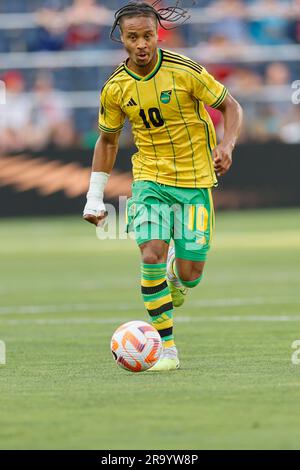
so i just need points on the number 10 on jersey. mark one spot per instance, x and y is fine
(154, 117)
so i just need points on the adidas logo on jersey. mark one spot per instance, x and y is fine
(131, 102)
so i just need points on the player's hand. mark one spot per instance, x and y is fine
(222, 158)
(95, 212)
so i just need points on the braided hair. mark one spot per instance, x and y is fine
(172, 14)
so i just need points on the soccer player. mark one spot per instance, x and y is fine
(163, 94)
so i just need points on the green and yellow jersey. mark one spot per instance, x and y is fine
(172, 130)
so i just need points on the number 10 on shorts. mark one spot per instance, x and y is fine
(199, 222)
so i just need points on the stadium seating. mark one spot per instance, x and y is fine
(210, 35)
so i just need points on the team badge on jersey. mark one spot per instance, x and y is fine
(165, 96)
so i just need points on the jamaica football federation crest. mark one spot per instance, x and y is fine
(165, 96)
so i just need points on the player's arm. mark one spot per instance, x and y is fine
(233, 115)
(105, 152)
(207, 89)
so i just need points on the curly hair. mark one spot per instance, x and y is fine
(171, 14)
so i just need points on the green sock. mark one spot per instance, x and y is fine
(158, 300)
(193, 283)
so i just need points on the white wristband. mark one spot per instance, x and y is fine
(97, 184)
(95, 203)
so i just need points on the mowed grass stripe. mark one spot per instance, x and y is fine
(111, 321)
(60, 308)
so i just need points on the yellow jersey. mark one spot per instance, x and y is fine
(172, 130)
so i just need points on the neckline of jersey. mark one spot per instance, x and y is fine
(151, 74)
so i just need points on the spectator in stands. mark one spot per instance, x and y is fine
(84, 19)
(228, 32)
(230, 21)
(270, 116)
(272, 26)
(51, 116)
(277, 74)
(245, 83)
(51, 27)
(295, 21)
(290, 130)
(15, 118)
(76, 26)
(277, 81)
(34, 121)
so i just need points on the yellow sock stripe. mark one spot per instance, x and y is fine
(169, 343)
(159, 302)
(152, 282)
(163, 325)
(162, 318)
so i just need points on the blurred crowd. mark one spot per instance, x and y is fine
(40, 112)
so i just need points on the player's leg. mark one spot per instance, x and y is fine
(186, 272)
(148, 218)
(187, 258)
(177, 289)
(182, 274)
(158, 300)
(154, 288)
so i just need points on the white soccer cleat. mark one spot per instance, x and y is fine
(171, 276)
(177, 290)
(167, 361)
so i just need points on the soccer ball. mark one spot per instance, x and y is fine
(136, 346)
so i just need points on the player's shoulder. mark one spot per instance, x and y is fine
(186, 64)
(115, 77)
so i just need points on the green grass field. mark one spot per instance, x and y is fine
(63, 292)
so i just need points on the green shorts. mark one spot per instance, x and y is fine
(161, 212)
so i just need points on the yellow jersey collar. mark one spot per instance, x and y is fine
(151, 74)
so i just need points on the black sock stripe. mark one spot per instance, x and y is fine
(165, 332)
(163, 308)
(154, 289)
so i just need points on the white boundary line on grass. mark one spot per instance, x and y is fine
(110, 321)
(126, 306)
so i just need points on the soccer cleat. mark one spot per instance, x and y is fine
(171, 276)
(168, 361)
(177, 290)
(178, 295)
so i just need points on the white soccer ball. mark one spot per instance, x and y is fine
(136, 346)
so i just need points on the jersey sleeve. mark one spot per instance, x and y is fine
(207, 89)
(111, 116)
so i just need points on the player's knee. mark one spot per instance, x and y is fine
(192, 277)
(197, 272)
(153, 252)
(151, 258)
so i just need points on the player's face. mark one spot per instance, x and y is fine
(139, 36)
